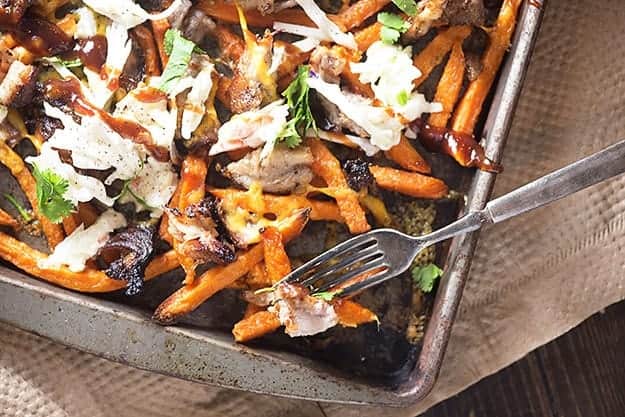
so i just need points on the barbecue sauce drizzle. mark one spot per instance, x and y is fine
(460, 146)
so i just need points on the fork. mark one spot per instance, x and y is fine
(379, 255)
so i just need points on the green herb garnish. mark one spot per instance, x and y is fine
(179, 50)
(301, 118)
(402, 98)
(425, 276)
(50, 191)
(24, 214)
(407, 6)
(394, 25)
(73, 63)
(327, 296)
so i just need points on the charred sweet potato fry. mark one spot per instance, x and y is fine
(409, 183)
(449, 86)
(435, 51)
(277, 261)
(407, 157)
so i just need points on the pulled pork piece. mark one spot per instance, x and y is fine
(336, 121)
(358, 174)
(283, 171)
(132, 249)
(429, 11)
(176, 19)
(300, 313)
(464, 12)
(201, 232)
(11, 11)
(18, 85)
(329, 63)
(197, 26)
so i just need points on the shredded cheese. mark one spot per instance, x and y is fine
(128, 13)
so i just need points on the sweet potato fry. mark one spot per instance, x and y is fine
(71, 223)
(326, 166)
(15, 164)
(257, 277)
(189, 297)
(407, 157)
(358, 12)
(470, 106)
(367, 36)
(159, 27)
(277, 261)
(90, 280)
(227, 13)
(7, 220)
(283, 206)
(352, 314)
(449, 86)
(409, 183)
(252, 309)
(436, 50)
(255, 326)
(231, 45)
(145, 39)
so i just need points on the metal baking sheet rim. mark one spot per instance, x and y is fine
(123, 334)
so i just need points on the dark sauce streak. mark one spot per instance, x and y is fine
(91, 51)
(460, 146)
(67, 95)
(41, 37)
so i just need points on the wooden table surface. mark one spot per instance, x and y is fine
(581, 374)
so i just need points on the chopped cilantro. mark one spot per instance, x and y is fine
(50, 191)
(25, 214)
(394, 25)
(402, 98)
(327, 296)
(407, 6)
(73, 63)
(425, 276)
(180, 51)
(301, 118)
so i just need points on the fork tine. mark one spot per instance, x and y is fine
(372, 264)
(349, 245)
(367, 283)
(344, 263)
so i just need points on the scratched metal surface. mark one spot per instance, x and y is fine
(207, 354)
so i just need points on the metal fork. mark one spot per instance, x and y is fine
(377, 256)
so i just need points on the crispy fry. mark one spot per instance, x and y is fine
(377, 208)
(90, 280)
(145, 39)
(227, 12)
(354, 83)
(67, 24)
(352, 314)
(409, 183)
(192, 191)
(252, 309)
(367, 36)
(449, 86)
(436, 50)
(277, 261)
(15, 164)
(358, 12)
(7, 220)
(159, 27)
(283, 206)
(407, 157)
(189, 297)
(71, 223)
(163, 230)
(327, 167)
(255, 326)
(470, 106)
(230, 44)
(257, 277)
(223, 86)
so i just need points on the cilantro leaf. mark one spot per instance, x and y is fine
(402, 98)
(407, 6)
(425, 276)
(301, 118)
(50, 190)
(327, 296)
(23, 212)
(73, 63)
(168, 42)
(394, 25)
(180, 51)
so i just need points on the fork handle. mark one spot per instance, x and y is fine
(570, 179)
(591, 170)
